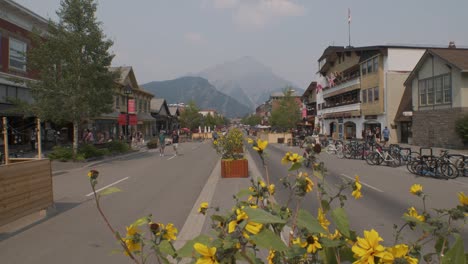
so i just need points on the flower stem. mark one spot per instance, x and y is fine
(122, 243)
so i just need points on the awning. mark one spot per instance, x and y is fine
(145, 117)
(113, 115)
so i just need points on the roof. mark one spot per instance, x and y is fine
(310, 89)
(406, 104)
(124, 71)
(157, 104)
(39, 20)
(174, 110)
(456, 57)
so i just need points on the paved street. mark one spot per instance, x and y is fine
(166, 187)
(385, 191)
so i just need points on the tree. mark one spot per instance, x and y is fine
(72, 67)
(190, 117)
(251, 120)
(287, 114)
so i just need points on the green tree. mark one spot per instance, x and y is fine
(72, 66)
(210, 120)
(287, 114)
(251, 120)
(190, 117)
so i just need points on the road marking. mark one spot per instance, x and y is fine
(363, 183)
(126, 178)
(172, 157)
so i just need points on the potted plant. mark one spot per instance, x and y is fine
(230, 147)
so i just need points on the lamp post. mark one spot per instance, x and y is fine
(127, 92)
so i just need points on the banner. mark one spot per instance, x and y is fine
(132, 120)
(131, 106)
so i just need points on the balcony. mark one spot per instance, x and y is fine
(341, 108)
(349, 85)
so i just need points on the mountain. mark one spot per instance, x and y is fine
(246, 80)
(205, 95)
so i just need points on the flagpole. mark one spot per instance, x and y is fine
(349, 27)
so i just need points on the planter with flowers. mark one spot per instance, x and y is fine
(233, 162)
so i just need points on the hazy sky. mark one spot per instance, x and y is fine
(165, 39)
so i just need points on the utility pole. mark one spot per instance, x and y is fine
(5, 140)
(39, 141)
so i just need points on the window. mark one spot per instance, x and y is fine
(376, 64)
(24, 94)
(438, 90)
(447, 89)
(17, 54)
(422, 93)
(364, 96)
(370, 95)
(117, 101)
(369, 66)
(376, 93)
(3, 93)
(364, 68)
(430, 91)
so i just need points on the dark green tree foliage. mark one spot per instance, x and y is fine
(251, 120)
(287, 114)
(461, 127)
(72, 64)
(190, 116)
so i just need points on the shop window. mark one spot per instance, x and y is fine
(364, 96)
(376, 94)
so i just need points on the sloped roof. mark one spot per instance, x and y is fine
(124, 71)
(456, 57)
(174, 110)
(157, 104)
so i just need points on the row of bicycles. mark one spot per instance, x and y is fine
(422, 163)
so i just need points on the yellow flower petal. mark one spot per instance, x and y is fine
(463, 198)
(416, 189)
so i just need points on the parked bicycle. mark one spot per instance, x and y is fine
(335, 148)
(384, 155)
(432, 166)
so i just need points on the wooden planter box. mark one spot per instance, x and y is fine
(235, 168)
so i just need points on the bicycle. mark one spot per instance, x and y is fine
(335, 148)
(437, 167)
(381, 155)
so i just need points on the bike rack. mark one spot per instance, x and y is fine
(465, 159)
(421, 151)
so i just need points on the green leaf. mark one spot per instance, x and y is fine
(438, 245)
(142, 221)
(325, 205)
(456, 254)
(269, 240)
(167, 248)
(295, 251)
(329, 255)
(218, 218)
(187, 250)
(243, 193)
(318, 174)
(326, 242)
(340, 218)
(423, 225)
(109, 190)
(262, 217)
(295, 166)
(347, 255)
(307, 221)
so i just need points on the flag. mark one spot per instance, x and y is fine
(349, 16)
(318, 88)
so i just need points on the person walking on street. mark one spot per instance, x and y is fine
(386, 135)
(162, 143)
(175, 142)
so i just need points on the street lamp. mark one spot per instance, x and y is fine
(127, 92)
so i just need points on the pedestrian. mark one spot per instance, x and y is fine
(214, 135)
(89, 138)
(377, 135)
(386, 135)
(175, 142)
(369, 136)
(162, 142)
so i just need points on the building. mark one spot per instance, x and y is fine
(16, 26)
(361, 87)
(438, 88)
(160, 111)
(206, 112)
(262, 112)
(136, 103)
(309, 109)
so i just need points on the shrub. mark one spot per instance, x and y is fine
(231, 145)
(152, 144)
(118, 147)
(461, 126)
(90, 151)
(61, 153)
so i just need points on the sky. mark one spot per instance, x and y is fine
(166, 39)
